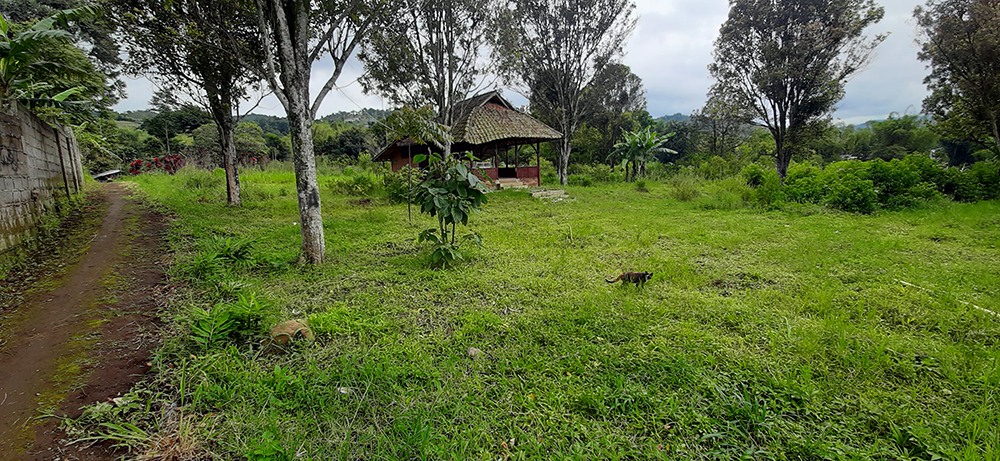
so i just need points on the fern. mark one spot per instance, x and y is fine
(212, 327)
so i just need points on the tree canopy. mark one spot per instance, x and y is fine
(556, 49)
(960, 40)
(787, 61)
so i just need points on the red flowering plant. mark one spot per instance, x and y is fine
(170, 164)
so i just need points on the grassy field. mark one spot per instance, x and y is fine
(763, 335)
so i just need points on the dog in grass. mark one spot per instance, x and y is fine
(638, 278)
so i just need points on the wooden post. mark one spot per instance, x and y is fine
(77, 181)
(62, 163)
(538, 163)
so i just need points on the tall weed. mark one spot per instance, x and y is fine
(685, 186)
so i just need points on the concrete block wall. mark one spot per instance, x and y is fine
(39, 164)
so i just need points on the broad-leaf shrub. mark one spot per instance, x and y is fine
(864, 187)
(397, 186)
(715, 168)
(451, 192)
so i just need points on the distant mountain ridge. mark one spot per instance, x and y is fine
(675, 117)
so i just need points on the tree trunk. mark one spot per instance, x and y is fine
(227, 140)
(290, 24)
(782, 155)
(220, 103)
(564, 151)
(304, 159)
(996, 131)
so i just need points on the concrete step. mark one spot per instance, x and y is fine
(508, 183)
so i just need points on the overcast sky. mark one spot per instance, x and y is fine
(670, 50)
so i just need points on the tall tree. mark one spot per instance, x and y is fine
(723, 121)
(555, 49)
(788, 60)
(430, 52)
(296, 34)
(616, 102)
(185, 45)
(961, 42)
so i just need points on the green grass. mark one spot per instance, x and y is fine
(763, 335)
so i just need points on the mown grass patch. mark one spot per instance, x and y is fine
(764, 335)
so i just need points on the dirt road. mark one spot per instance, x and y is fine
(79, 330)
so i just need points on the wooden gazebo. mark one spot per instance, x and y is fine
(493, 130)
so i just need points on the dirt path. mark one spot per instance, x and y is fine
(86, 337)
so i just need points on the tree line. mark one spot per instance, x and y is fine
(780, 67)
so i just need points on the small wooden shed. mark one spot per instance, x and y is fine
(494, 131)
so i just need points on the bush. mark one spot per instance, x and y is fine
(597, 173)
(769, 194)
(892, 178)
(850, 193)
(397, 187)
(804, 184)
(715, 168)
(753, 174)
(727, 194)
(987, 174)
(356, 184)
(548, 172)
(579, 180)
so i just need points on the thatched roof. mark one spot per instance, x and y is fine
(488, 119)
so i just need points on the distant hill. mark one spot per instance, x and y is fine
(676, 117)
(269, 123)
(136, 115)
(279, 125)
(363, 117)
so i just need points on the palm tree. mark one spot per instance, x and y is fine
(637, 148)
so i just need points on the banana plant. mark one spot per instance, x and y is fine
(638, 148)
(19, 61)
